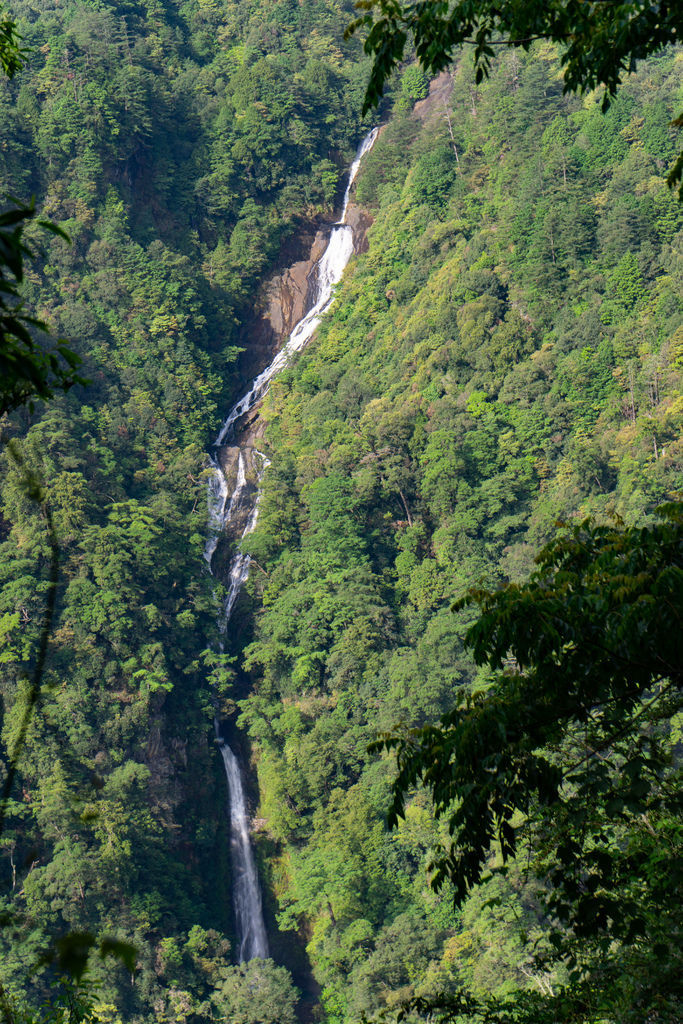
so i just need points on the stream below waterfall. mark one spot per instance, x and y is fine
(237, 503)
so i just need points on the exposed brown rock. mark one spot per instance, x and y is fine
(359, 221)
(282, 301)
(285, 297)
(432, 106)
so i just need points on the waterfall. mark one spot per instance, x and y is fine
(239, 566)
(251, 929)
(217, 496)
(246, 891)
(330, 269)
(243, 506)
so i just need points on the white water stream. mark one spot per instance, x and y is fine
(251, 929)
(330, 269)
(243, 503)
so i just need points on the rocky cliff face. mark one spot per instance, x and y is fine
(360, 222)
(284, 298)
(435, 105)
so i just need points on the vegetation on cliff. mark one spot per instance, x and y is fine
(506, 355)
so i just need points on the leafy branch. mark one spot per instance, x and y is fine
(36, 493)
(28, 369)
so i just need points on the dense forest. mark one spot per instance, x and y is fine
(507, 353)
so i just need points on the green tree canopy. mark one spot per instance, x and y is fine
(601, 42)
(28, 369)
(569, 752)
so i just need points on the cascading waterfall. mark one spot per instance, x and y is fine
(244, 502)
(246, 891)
(330, 269)
(239, 566)
(217, 498)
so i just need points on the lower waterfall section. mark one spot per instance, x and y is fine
(246, 893)
(246, 890)
(236, 507)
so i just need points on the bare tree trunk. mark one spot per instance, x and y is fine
(630, 389)
(405, 506)
(450, 132)
(473, 96)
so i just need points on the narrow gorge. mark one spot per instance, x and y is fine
(233, 497)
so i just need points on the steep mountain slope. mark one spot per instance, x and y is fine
(507, 353)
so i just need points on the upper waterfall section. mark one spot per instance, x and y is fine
(330, 269)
